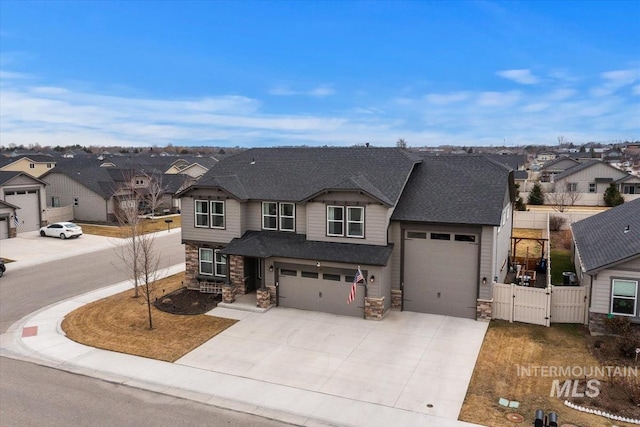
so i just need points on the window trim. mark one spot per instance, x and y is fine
(221, 262)
(292, 217)
(341, 221)
(349, 222)
(635, 298)
(196, 213)
(212, 262)
(213, 213)
(269, 215)
(592, 187)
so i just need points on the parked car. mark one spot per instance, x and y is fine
(62, 230)
(2, 267)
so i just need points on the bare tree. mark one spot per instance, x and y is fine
(155, 190)
(148, 264)
(563, 198)
(401, 143)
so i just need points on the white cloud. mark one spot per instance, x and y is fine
(319, 92)
(615, 80)
(497, 99)
(521, 76)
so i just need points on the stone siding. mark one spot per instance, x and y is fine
(484, 308)
(263, 298)
(236, 274)
(191, 266)
(396, 299)
(373, 308)
(272, 295)
(597, 324)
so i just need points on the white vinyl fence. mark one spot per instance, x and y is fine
(540, 306)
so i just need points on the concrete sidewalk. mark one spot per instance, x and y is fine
(38, 338)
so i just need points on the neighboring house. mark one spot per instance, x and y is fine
(545, 156)
(182, 166)
(35, 165)
(590, 178)
(26, 193)
(555, 167)
(607, 259)
(630, 184)
(429, 234)
(7, 223)
(96, 191)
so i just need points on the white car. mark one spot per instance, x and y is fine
(62, 230)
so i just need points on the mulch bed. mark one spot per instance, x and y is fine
(188, 302)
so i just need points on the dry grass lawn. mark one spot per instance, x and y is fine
(535, 250)
(508, 346)
(148, 226)
(120, 323)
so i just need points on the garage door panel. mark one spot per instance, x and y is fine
(441, 277)
(4, 228)
(29, 212)
(320, 295)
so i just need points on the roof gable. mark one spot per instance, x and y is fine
(586, 165)
(296, 174)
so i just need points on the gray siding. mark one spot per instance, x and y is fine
(584, 177)
(601, 290)
(375, 227)
(487, 260)
(395, 236)
(232, 229)
(91, 205)
(252, 220)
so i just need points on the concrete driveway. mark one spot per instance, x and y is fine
(412, 361)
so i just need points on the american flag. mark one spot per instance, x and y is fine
(16, 221)
(358, 278)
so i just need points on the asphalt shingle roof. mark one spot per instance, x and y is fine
(297, 174)
(601, 239)
(265, 244)
(455, 189)
(582, 166)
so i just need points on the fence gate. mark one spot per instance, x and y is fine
(521, 304)
(555, 304)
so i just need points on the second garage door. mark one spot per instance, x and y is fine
(29, 212)
(319, 292)
(441, 273)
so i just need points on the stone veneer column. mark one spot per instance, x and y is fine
(484, 309)
(373, 308)
(263, 298)
(228, 294)
(597, 324)
(236, 274)
(396, 299)
(191, 266)
(272, 295)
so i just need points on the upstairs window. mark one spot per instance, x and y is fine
(209, 214)
(349, 225)
(355, 222)
(217, 214)
(202, 213)
(269, 216)
(278, 216)
(335, 220)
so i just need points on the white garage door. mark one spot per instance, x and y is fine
(319, 292)
(4, 228)
(29, 212)
(441, 273)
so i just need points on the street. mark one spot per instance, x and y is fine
(37, 395)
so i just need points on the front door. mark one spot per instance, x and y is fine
(252, 273)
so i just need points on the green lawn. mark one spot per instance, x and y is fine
(560, 261)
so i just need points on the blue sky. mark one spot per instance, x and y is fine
(318, 72)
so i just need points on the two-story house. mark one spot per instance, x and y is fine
(429, 233)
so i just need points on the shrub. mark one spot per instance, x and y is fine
(556, 222)
(618, 325)
(629, 386)
(612, 196)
